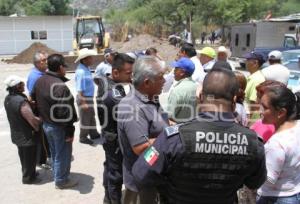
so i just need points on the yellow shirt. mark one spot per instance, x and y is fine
(252, 82)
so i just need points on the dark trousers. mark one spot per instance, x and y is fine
(146, 196)
(112, 175)
(87, 120)
(27, 156)
(42, 147)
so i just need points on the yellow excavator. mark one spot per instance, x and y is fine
(89, 33)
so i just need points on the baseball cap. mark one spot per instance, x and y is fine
(13, 80)
(275, 55)
(208, 51)
(184, 63)
(256, 56)
(108, 51)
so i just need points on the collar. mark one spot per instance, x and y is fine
(183, 80)
(145, 98)
(37, 70)
(54, 74)
(82, 66)
(218, 116)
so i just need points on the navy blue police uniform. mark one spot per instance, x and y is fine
(109, 95)
(205, 160)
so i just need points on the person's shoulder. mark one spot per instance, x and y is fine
(100, 65)
(250, 134)
(79, 71)
(171, 131)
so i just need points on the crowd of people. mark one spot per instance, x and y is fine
(222, 132)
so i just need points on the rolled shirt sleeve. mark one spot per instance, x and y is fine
(80, 81)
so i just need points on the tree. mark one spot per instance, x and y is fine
(34, 7)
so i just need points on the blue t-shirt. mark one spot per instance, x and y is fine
(84, 81)
(33, 76)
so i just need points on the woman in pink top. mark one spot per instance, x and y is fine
(265, 130)
(282, 108)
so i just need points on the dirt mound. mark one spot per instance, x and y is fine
(142, 42)
(25, 57)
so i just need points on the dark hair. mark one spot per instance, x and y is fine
(274, 61)
(189, 50)
(283, 97)
(150, 51)
(221, 84)
(264, 86)
(222, 64)
(54, 62)
(120, 59)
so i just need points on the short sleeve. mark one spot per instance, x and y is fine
(136, 127)
(172, 104)
(275, 158)
(80, 82)
(253, 96)
(250, 91)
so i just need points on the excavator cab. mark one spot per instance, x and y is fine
(90, 33)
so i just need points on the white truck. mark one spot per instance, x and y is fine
(264, 36)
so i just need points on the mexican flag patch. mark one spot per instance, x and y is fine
(151, 155)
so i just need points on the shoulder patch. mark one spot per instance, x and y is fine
(116, 93)
(172, 130)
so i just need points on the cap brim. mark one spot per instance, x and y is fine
(248, 56)
(174, 64)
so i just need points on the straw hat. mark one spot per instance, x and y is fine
(83, 53)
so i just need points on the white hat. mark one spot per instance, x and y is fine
(275, 55)
(83, 53)
(222, 49)
(13, 80)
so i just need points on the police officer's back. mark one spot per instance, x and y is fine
(209, 158)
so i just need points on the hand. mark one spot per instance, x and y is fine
(171, 122)
(84, 106)
(69, 139)
(152, 140)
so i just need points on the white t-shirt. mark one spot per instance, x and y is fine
(199, 74)
(208, 66)
(283, 164)
(276, 72)
(242, 114)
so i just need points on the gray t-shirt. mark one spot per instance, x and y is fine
(138, 118)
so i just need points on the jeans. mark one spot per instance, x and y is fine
(294, 199)
(61, 152)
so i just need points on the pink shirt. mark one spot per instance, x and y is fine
(263, 130)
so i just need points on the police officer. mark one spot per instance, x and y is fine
(208, 159)
(110, 92)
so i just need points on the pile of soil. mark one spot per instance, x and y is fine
(26, 56)
(142, 42)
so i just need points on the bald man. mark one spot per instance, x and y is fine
(208, 158)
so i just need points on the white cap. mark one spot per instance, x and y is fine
(83, 53)
(275, 55)
(13, 80)
(132, 55)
